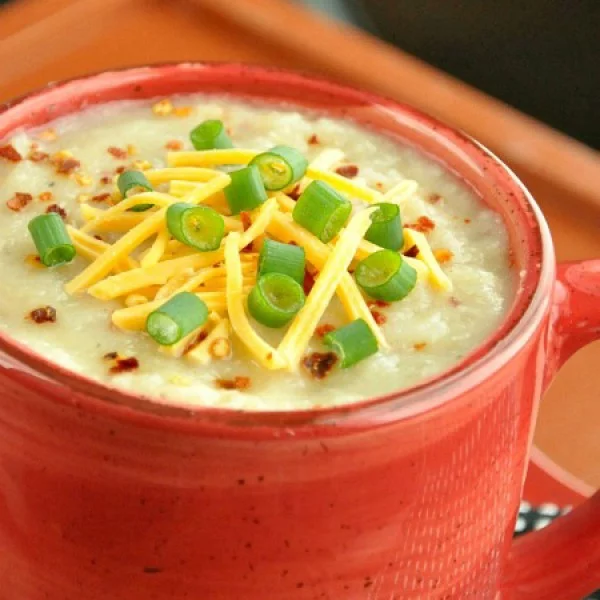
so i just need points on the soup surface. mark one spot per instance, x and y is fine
(428, 331)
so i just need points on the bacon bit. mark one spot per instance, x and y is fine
(322, 330)
(246, 220)
(419, 346)
(174, 145)
(443, 255)
(454, 301)
(45, 314)
(46, 196)
(379, 317)
(37, 156)
(65, 164)
(163, 108)
(220, 348)
(294, 193)
(19, 201)
(105, 179)
(424, 224)
(141, 165)
(308, 283)
(183, 111)
(118, 153)
(111, 356)
(467, 221)
(378, 304)
(434, 198)
(313, 140)
(120, 169)
(33, 260)
(10, 153)
(237, 383)
(348, 171)
(319, 364)
(131, 149)
(124, 365)
(101, 197)
(48, 135)
(59, 210)
(412, 252)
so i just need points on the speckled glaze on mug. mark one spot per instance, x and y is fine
(413, 495)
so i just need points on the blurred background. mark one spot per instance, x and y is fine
(522, 77)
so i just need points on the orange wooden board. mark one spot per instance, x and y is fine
(43, 40)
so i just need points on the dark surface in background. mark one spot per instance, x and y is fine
(540, 56)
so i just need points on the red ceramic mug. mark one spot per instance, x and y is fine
(414, 495)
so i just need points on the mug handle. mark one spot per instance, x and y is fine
(562, 561)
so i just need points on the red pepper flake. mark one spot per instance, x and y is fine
(512, 260)
(424, 224)
(412, 252)
(111, 356)
(33, 260)
(443, 255)
(46, 196)
(248, 248)
(45, 314)
(66, 166)
(309, 281)
(59, 210)
(322, 330)
(434, 198)
(101, 197)
(379, 317)
(313, 140)
(37, 156)
(105, 179)
(294, 193)
(319, 364)
(120, 169)
(118, 153)
(246, 220)
(419, 346)
(348, 171)
(124, 365)
(19, 201)
(196, 341)
(10, 153)
(378, 304)
(98, 237)
(174, 145)
(237, 383)
(467, 221)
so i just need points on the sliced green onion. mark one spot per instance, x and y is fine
(51, 239)
(322, 210)
(352, 343)
(386, 230)
(210, 135)
(246, 190)
(133, 181)
(200, 227)
(384, 275)
(280, 166)
(276, 257)
(176, 318)
(275, 299)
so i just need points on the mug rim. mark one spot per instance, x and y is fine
(484, 359)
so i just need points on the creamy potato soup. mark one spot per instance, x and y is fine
(201, 270)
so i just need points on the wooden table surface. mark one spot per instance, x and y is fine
(43, 40)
